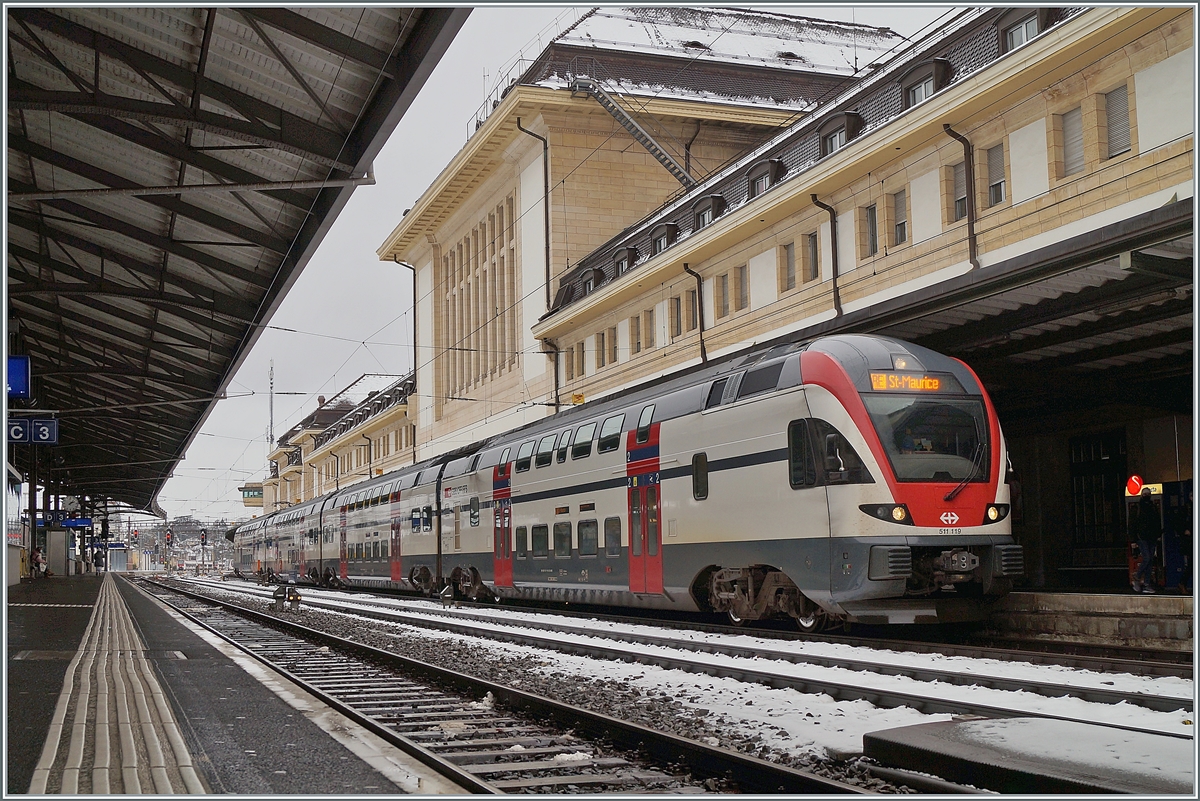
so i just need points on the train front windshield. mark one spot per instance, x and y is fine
(932, 438)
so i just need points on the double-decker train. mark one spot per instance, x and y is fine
(849, 478)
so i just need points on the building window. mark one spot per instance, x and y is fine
(722, 295)
(568, 357)
(871, 221)
(662, 237)
(612, 345)
(923, 80)
(1020, 33)
(692, 319)
(624, 258)
(675, 311)
(788, 259)
(995, 166)
(762, 175)
(813, 267)
(1116, 113)
(588, 283)
(601, 350)
(635, 334)
(839, 129)
(960, 190)
(742, 299)
(833, 142)
(900, 215)
(648, 328)
(707, 209)
(1072, 131)
(921, 91)
(579, 360)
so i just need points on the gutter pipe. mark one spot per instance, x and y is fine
(699, 309)
(545, 199)
(833, 249)
(969, 169)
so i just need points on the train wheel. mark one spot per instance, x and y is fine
(736, 619)
(811, 618)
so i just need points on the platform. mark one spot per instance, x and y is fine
(1161, 621)
(1035, 755)
(109, 692)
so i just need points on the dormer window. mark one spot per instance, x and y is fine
(924, 80)
(838, 130)
(763, 175)
(662, 237)
(588, 283)
(624, 259)
(592, 279)
(707, 209)
(1018, 25)
(1021, 33)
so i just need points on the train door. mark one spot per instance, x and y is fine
(645, 533)
(343, 570)
(397, 529)
(502, 557)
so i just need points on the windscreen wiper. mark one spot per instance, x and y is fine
(980, 449)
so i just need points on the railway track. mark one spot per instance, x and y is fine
(953, 692)
(487, 737)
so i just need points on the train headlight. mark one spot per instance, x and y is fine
(995, 513)
(889, 512)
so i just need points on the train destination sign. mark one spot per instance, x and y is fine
(913, 382)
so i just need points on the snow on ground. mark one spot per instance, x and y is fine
(809, 723)
(1103, 749)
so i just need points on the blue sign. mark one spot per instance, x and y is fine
(18, 376)
(65, 519)
(79, 522)
(24, 431)
(20, 430)
(45, 432)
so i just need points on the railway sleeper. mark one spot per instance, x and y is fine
(761, 592)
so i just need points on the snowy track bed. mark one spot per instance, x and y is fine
(804, 695)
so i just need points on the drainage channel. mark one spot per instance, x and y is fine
(488, 737)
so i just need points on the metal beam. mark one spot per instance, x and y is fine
(339, 44)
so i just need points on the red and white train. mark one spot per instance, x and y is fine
(850, 478)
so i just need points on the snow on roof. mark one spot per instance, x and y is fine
(735, 36)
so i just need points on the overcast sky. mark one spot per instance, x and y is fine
(348, 313)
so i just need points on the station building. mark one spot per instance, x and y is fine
(1015, 189)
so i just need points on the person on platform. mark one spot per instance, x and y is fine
(1148, 530)
(38, 560)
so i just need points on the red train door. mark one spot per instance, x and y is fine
(394, 552)
(645, 533)
(343, 571)
(502, 557)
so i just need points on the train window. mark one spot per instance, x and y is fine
(523, 456)
(545, 451)
(635, 529)
(763, 379)
(842, 464)
(610, 434)
(522, 542)
(588, 537)
(504, 456)
(583, 441)
(541, 542)
(643, 429)
(475, 512)
(427, 519)
(716, 393)
(700, 476)
(416, 520)
(562, 540)
(562, 446)
(374, 550)
(383, 549)
(801, 462)
(358, 550)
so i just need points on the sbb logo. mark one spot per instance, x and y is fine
(949, 518)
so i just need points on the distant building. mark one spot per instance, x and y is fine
(252, 494)
(363, 430)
